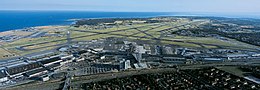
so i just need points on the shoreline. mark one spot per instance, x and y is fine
(8, 32)
(74, 20)
(68, 21)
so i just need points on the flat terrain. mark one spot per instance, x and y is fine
(77, 80)
(51, 85)
(4, 53)
(155, 33)
(232, 70)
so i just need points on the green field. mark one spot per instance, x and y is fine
(233, 70)
(5, 53)
(147, 32)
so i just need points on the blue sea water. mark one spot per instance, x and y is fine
(10, 20)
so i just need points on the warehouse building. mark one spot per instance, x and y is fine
(17, 70)
(35, 72)
(50, 61)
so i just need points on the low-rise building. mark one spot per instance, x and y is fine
(17, 70)
(35, 72)
(54, 66)
(140, 65)
(45, 78)
(236, 56)
(125, 64)
(3, 76)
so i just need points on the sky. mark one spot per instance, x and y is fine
(135, 5)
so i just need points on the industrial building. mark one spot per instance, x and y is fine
(17, 71)
(35, 72)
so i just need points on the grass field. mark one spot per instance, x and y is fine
(145, 32)
(233, 70)
(5, 53)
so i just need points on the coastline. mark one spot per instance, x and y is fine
(71, 21)
(26, 19)
(8, 32)
(14, 20)
(74, 20)
(13, 31)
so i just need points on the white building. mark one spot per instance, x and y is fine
(45, 78)
(140, 65)
(125, 64)
(3, 76)
(140, 49)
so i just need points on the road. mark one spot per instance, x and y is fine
(98, 77)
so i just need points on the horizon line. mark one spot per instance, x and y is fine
(121, 11)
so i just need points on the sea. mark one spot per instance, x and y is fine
(11, 20)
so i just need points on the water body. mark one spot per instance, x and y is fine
(10, 20)
(227, 15)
